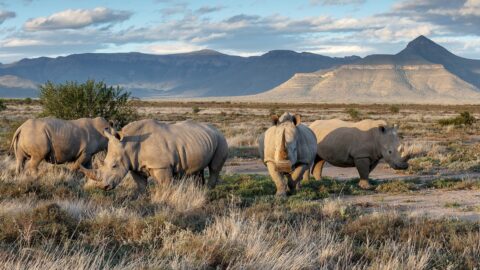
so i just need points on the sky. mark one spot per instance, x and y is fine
(34, 28)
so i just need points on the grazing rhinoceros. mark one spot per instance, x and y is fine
(288, 149)
(58, 141)
(161, 150)
(360, 145)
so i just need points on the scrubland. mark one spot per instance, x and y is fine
(59, 221)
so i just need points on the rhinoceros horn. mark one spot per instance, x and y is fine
(90, 173)
(283, 149)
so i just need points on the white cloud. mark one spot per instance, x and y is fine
(336, 2)
(169, 48)
(18, 42)
(76, 18)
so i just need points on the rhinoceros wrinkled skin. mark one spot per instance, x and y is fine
(362, 145)
(288, 149)
(163, 151)
(58, 141)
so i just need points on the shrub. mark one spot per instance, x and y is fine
(195, 109)
(27, 100)
(394, 109)
(465, 118)
(73, 100)
(2, 105)
(353, 113)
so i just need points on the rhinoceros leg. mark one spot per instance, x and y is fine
(200, 177)
(20, 161)
(162, 176)
(216, 164)
(84, 159)
(363, 168)
(318, 168)
(32, 165)
(296, 176)
(140, 181)
(277, 179)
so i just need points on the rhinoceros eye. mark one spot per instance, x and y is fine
(114, 165)
(390, 151)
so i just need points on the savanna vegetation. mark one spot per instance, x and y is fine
(60, 221)
(73, 100)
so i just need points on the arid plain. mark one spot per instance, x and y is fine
(422, 218)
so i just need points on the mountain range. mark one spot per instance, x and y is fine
(423, 72)
(195, 74)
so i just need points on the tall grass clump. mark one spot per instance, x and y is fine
(465, 118)
(72, 100)
(353, 113)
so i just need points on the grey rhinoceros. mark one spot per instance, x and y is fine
(162, 151)
(288, 149)
(58, 141)
(361, 145)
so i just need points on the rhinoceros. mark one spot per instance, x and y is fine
(288, 149)
(58, 141)
(162, 151)
(362, 145)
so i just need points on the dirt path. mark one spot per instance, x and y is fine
(461, 204)
(381, 172)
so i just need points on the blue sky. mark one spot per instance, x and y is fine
(33, 28)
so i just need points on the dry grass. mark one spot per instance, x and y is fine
(54, 223)
(185, 195)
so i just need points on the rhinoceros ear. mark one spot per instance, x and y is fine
(111, 134)
(382, 129)
(297, 119)
(274, 119)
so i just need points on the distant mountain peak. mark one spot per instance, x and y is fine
(205, 52)
(422, 41)
(275, 53)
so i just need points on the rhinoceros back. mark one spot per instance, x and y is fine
(186, 147)
(306, 145)
(58, 140)
(341, 141)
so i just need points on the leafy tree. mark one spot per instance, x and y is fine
(72, 100)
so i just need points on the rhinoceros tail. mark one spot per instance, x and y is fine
(13, 144)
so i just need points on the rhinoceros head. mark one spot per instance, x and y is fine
(116, 163)
(390, 148)
(286, 141)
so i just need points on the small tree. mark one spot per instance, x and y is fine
(72, 100)
(2, 105)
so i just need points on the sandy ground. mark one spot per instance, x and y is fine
(457, 204)
(255, 166)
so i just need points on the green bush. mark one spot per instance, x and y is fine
(353, 113)
(465, 118)
(195, 109)
(2, 105)
(72, 100)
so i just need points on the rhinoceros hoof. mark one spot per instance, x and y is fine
(364, 184)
